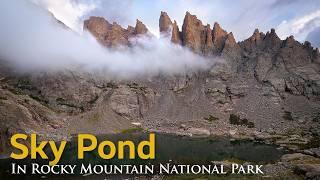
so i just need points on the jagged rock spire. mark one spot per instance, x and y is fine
(272, 40)
(208, 41)
(290, 41)
(204, 40)
(219, 36)
(230, 41)
(256, 36)
(112, 35)
(140, 28)
(165, 22)
(176, 34)
(192, 33)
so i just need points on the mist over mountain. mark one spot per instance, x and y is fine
(33, 40)
(196, 79)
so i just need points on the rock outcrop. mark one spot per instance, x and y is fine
(168, 28)
(176, 34)
(196, 36)
(193, 33)
(113, 35)
(165, 23)
(140, 28)
(286, 65)
(219, 37)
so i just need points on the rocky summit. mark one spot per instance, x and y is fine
(266, 89)
(112, 35)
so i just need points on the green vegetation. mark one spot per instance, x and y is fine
(250, 125)
(211, 118)
(132, 130)
(236, 120)
(235, 160)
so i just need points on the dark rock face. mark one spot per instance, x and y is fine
(113, 35)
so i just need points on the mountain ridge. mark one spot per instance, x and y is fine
(196, 36)
(265, 89)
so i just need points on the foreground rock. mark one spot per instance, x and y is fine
(305, 165)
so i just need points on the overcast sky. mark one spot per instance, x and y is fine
(300, 18)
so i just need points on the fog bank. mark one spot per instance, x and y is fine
(31, 39)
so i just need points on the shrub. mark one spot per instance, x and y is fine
(250, 125)
(236, 120)
(244, 121)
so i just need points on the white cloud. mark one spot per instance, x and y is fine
(289, 17)
(31, 41)
(300, 27)
(69, 12)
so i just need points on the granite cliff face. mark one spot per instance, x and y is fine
(196, 36)
(113, 35)
(285, 65)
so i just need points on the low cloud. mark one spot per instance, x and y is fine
(70, 12)
(314, 37)
(300, 27)
(241, 17)
(31, 39)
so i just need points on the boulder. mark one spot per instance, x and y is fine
(199, 132)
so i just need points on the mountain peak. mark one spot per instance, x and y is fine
(112, 35)
(192, 30)
(176, 34)
(216, 25)
(165, 22)
(219, 36)
(140, 28)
